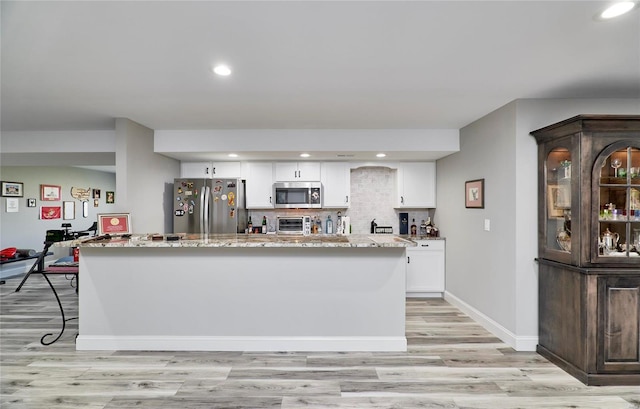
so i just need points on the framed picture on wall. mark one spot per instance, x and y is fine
(50, 212)
(111, 197)
(31, 202)
(69, 210)
(12, 189)
(474, 194)
(49, 193)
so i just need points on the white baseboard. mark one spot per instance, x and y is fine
(213, 343)
(519, 343)
(424, 294)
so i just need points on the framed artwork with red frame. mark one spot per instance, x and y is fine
(114, 223)
(49, 193)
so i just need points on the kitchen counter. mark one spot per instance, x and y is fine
(412, 238)
(247, 241)
(243, 293)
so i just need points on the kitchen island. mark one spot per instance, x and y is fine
(243, 293)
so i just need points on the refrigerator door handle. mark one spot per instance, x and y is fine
(205, 211)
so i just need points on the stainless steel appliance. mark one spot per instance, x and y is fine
(209, 206)
(297, 195)
(293, 225)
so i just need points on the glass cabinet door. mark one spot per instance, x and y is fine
(619, 201)
(558, 206)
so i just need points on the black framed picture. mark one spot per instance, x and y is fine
(12, 189)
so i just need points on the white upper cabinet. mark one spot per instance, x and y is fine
(210, 170)
(336, 184)
(416, 185)
(297, 171)
(259, 184)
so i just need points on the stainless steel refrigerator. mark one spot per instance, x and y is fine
(209, 206)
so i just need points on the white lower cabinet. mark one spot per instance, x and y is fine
(425, 269)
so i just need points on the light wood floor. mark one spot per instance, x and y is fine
(452, 362)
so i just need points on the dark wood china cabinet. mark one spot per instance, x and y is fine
(589, 247)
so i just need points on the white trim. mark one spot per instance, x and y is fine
(223, 343)
(425, 294)
(519, 343)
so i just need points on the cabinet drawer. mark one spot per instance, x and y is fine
(429, 245)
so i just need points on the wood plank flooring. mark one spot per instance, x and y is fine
(452, 362)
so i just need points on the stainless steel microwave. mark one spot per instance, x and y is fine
(297, 195)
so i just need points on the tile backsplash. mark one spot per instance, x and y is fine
(373, 191)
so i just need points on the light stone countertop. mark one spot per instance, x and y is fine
(244, 240)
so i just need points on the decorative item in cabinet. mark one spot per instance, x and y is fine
(588, 242)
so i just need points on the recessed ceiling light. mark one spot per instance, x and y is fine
(617, 9)
(304, 155)
(381, 155)
(233, 155)
(222, 70)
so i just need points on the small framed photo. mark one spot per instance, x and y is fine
(49, 193)
(69, 210)
(12, 189)
(96, 193)
(11, 205)
(474, 194)
(558, 200)
(31, 202)
(114, 223)
(96, 202)
(111, 197)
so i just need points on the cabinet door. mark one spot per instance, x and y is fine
(259, 185)
(286, 171)
(308, 171)
(619, 324)
(336, 184)
(426, 267)
(417, 185)
(225, 170)
(196, 170)
(297, 171)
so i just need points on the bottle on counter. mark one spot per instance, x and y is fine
(414, 228)
(423, 228)
(318, 225)
(250, 226)
(430, 227)
(264, 224)
(329, 225)
(339, 226)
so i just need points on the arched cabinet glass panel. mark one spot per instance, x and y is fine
(558, 209)
(618, 225)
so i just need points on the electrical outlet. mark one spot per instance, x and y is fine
(487, 225)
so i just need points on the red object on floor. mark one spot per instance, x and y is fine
(9, 252)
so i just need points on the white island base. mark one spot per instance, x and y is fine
(242, 299)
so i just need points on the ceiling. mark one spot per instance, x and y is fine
(302, 64)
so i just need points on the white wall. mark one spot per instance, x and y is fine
(144, 179)
(492, 275)
(24, 229)
(58, 148)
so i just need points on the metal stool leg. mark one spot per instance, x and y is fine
(64, 320)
